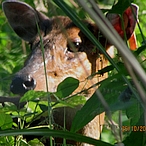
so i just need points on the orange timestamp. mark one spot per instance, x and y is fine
(133, 128)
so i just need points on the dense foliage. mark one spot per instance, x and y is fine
(126, 106)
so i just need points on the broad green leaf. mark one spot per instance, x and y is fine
(120, 6)
(94, 107)
(5, 121)
(71, 102)
(134, 112)
(136, 138)
(32, 95)
(87, 113)
(66, 87)
(77, 100)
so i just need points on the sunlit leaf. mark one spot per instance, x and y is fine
(5, 121)
(35, 142)
(31, 95)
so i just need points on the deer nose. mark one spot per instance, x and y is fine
(22, 83)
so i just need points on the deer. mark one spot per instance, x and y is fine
(62, 59)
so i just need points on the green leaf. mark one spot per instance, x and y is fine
(94, 107)
(32, 95)
(55, 133)
(120, 6)
(7, 141)
(66, 87)
(5, 121)
(134, 112)
(23, 142)
(71, 102)
(77, 100)
(35, 142)
(135, 139)
(43, 107)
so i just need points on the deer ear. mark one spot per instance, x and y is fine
(23, 19)
(130, 17)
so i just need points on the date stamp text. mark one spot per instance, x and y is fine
(133, 128)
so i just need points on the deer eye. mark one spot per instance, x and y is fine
(74, 46)
(77, 45)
